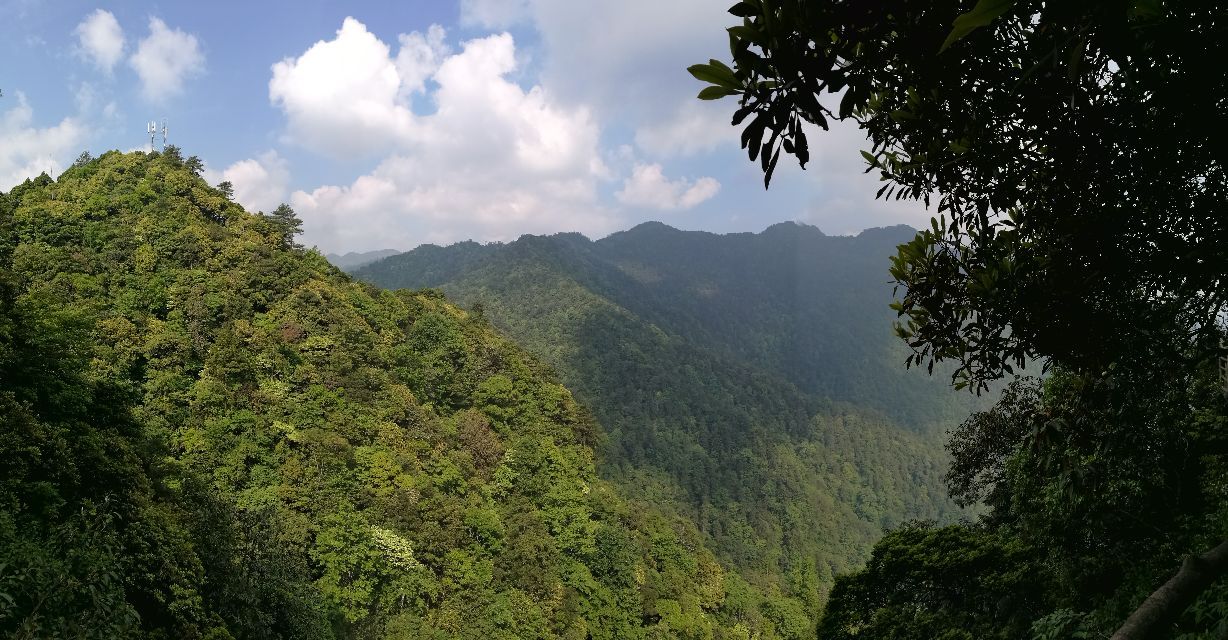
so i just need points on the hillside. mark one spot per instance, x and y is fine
(748, 381)
(791, 301)
(212, 433)
(356, 259)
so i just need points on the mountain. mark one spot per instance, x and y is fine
(356, 259)
(210, 432)
(748, 382)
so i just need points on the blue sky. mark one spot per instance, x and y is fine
(392, 124)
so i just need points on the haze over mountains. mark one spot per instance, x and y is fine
(356, 259)
(750, 382)
(790, 301)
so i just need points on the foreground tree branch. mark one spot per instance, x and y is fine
(1163, 606)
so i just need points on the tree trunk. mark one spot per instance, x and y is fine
(1162, 608)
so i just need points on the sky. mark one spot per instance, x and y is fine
(393, 124)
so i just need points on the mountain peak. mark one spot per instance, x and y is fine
(793, 227)
(650, 226)
(896, 232)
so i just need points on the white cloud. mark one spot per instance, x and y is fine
(260, 184)
(696, 127)
(165, 59)
(841, 197)
(26, 150)
(343, 97)
(494, 14)
(629, 60)
(493, 160)
(648, 187)
(100, 39)
(631, 56)
(419, 58)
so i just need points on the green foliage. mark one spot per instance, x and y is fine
(709, 360)
(1079, 188)
(955, 582)
(212, 433)
(1079, 184)
(1096, 489)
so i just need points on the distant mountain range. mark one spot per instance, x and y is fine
(356, 259)
(750, 381)
(792, 301)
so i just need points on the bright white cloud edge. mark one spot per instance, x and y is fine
(494, 160)
(100, 39)
(649, 188)
(164, 60)
(27, 150)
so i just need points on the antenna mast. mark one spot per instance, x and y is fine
(151, 129)
(164, 131)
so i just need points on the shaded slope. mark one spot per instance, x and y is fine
(790, 300)
(356, 259)
(790, 486)
(230, 438)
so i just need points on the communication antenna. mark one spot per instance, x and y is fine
(151, 129)
(164, 131)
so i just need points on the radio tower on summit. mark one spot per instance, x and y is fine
(152, 129)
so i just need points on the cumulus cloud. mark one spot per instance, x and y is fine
(26, 150)
(629, 60)
(260, 184)
(100, 39)
(419, 58)
(165, 59)
(343, 97)
(648, 187)
(598, 53)
(492, 161)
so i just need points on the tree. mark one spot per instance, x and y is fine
(1078, 173)
(1079, 178)
(288, 225)
(195, 165)
(227, 189)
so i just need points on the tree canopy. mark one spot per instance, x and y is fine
(210, 432)
(1074, 152)
(749, 382)
(1075, 158)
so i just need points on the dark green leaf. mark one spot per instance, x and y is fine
(745, 9)
(715, 93)
(981, 15)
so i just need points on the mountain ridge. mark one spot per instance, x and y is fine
(215, 433)
(643, 326)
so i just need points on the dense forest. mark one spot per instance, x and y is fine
(790, 301)
(213, 433)
(1078, 186)
(748, 381)
(210, 431)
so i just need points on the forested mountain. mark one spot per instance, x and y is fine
(356, 259)
(1080, 201)
(790, 301)
(213, 433)
(750, 381)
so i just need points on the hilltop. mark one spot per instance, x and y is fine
(214, 433)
